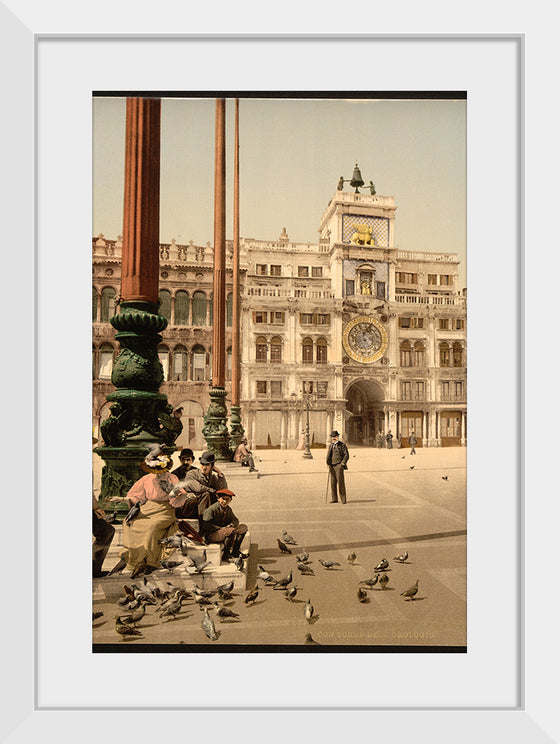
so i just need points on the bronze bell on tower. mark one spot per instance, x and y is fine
(357, 180)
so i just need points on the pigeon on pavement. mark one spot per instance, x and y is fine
(197, 563)
(172, 608)
(411, 592)
(134, 616)
(224, 594)
(411, 467)
(207, 625)
(382, 565)
(204, 592)
(303, 557)
(351, 557)
(329, 564)
(291, 593)
(253, 594)
(287, 538)
(308, 611)
(401, 558)
(223, 612)
(202, 600)
(383, 581)
(283, 583)
(265, 576)
(226, 587)
(126, 630)
(370, 582)
(96, 615)
(445, 477)
(362, 594)
(283, 547)
(305, 569)
(170, 565)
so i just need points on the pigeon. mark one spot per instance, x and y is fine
(170, 565)
(303, 557)
(445, 477)
(283, 583)
(402, 458)
(96, 615)
(133, 617)
(197, 563)
(309, 641)
(351, 557)
(288, 538)
(207, 625)
(118, 567)
(151, 588)
(172, 608)
(143, 596)
(329, 564)
(401, 558)
(370, 582)
(126, 630)
(204, 592)
(203, 600)
(305, 570)
(224, 594)
(411, 592)
(226, 587)
(382, 565)
(253, 594)
(291, 593)
(134, 511)
(308, 611)
(283, 547)
(362, 594)
(411, 467)
(174, 541)
(126, 597)
(239, 562)
(265, 576)
(383, 581)
(223, 612)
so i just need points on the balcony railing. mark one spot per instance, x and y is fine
(414, 299)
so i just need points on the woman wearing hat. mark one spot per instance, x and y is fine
(153, 500)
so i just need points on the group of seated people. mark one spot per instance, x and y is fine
(161, 498)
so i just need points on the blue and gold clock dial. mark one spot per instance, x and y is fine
(364, 339)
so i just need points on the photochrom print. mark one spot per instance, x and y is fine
(279, 339)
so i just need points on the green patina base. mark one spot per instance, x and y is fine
(140, 415)
(237, 432)
(215, 430)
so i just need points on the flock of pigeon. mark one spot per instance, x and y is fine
(132, 604)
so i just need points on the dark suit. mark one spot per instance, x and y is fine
(337, 457)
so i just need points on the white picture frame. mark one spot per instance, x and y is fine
(531, 716)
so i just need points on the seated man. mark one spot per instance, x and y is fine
(200, 487)
(220, 525)
(103, 533)
(186, 458)
(244, 456)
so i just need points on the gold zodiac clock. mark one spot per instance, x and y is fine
(364, 339)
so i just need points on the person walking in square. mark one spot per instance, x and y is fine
(337, 457)
(412, 441)
(389, 439)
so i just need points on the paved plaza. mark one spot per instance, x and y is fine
(396, 503)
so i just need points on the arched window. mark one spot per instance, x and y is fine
(444, 354)
(199, 363)
(457, 354)
(406, 354)
(182, 308)
(229, 309)
(105, 361)
(180, 363)
(418, 356)
(108, 299)
(165, 303)
(199, 309)
(307, 351)
(276, 349)
(163, 354)
(261, 349)
(228, 364)
(321, 351)
(94, 305)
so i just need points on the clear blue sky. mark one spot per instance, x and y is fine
(292, 153)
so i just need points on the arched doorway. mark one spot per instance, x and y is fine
(364, 412)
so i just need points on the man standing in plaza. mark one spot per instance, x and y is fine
(337, 457)
(412, 441)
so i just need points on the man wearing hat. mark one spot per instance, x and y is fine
(220, 525)
(200, 486)
(244, 455)
(186, 458)
(337, 457)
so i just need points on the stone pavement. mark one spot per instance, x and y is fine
(396, 503)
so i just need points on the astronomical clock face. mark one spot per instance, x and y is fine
(364, 339)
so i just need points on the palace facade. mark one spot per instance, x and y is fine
(352, 332)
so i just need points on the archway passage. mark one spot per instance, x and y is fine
(365, 414)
